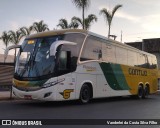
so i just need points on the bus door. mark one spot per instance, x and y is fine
(66, 78)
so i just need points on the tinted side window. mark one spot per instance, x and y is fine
(108, 53)
(92, 49)
(142, 61)
(76, 38)
(154, 63)
(132, 58)
(121, 55)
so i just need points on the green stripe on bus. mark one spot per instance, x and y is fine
(114, 76)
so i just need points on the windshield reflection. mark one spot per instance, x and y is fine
(34, 58)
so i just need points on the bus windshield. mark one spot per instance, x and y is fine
(34, 58)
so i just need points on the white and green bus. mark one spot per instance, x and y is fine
(77, 64)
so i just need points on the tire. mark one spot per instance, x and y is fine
(146, 92)
(140, 93)
(85, 94)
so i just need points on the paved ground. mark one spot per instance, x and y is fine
(109, 108)
(5, 95)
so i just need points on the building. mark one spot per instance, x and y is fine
(6, 72)
(9, 59)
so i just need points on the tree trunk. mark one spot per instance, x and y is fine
(83, 17)
(109, 29)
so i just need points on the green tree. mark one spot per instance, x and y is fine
(40, 26)
(6, 38)
(108, 15)
(87, 21)
(15, 39)
(26, 31)
(82, 5)
(63, 23)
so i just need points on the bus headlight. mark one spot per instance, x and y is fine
(49, 84)
(46, 85)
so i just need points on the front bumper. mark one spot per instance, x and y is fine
(46, 94)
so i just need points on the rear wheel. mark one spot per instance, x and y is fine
(146, 92)
(140, 92)
(85, 94)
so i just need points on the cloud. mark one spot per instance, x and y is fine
(122, 14)
(127, 16)
(103, 6)
(147, 2)
(14, 25)
(151, 23)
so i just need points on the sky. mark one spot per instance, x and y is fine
(137, 19)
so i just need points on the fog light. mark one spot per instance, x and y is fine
(47, 94)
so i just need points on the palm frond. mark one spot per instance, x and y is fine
(5, 38)
(115, 9)
(80, 4)
(26, 31)
(63, 23)
(15, 36)
(107, 15)
(77, 19)
(90, 19)
(39, 26)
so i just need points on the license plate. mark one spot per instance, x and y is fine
(28, 97)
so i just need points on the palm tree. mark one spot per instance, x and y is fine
(109, 15)
(5, 38)
(63, 23)
(15, 39)
(40, 26)
(73, 24)
(82, 5)
(87, 21)
(26, 31)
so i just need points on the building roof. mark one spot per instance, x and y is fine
(148, 45)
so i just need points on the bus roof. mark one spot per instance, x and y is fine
(56, 32)
(63, 31)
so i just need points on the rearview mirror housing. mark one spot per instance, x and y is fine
(54, 46)
(8, 49)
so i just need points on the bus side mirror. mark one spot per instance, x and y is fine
(8, 49)
(54, 46)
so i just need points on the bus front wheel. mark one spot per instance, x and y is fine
(85, 94)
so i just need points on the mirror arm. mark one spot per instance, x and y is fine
(8, 49)
(58, 43)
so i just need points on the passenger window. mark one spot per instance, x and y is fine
(108, 52)
(154, 63)
(121, 55)
(92, 49)
(132, 58)
(141, 60)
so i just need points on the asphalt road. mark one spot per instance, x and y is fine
(108, 108)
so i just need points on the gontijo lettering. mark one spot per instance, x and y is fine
(137, 72)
